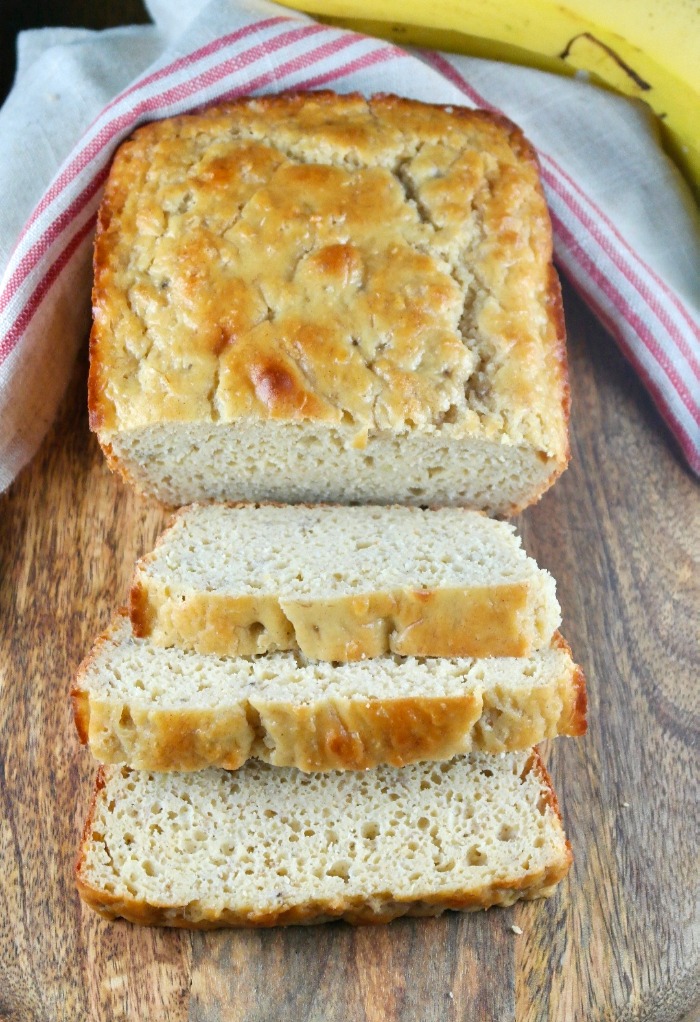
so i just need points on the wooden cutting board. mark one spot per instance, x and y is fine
(619, 533)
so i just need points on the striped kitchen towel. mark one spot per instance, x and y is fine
(625, 233)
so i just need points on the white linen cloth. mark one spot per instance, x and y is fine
(625, 225)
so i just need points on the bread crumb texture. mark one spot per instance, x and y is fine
(261, 846)
(364, 267)
(342, 583)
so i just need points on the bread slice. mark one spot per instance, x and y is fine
(313, 297)
(343, 583)
(168, 709)
(265, 847)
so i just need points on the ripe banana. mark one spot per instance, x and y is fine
(647, 49)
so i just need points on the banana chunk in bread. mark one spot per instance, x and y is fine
(266, 847)
(169, 709)
(317, 297)
(342, 583)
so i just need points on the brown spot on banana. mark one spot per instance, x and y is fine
(622, 64)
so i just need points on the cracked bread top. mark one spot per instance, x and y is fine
(376, 264)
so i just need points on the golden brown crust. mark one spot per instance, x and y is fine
(561, 360)
(141, 611)
(80, 699)
(358, 734)
(353, 911)
(81, 714)
(471, 622)
(477, 621)
(578, 724)
(100, 781)
(364, 204)
(330, 733)
(578, 719)
(560, 373)
(536, 763)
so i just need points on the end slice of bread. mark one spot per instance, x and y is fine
(264, 847)
(343, 583)
(322, 297)
(169, 709)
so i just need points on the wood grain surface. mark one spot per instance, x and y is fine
(619, 942)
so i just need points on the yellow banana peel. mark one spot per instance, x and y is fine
(645, 49)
